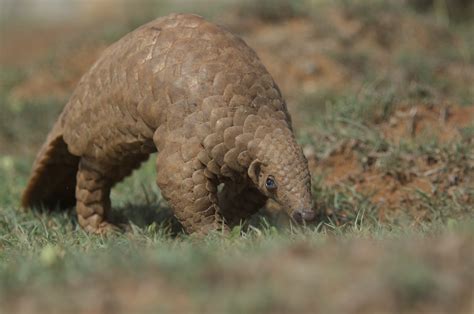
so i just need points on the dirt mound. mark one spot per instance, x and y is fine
(443, 123)
(398, 179)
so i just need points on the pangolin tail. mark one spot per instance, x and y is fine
(53, 180)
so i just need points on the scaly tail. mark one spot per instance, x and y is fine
(53, 180)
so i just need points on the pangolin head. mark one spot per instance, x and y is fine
(280, 171)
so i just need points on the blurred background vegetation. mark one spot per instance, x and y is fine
(382, 98)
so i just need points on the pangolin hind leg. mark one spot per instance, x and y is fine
(93, 197)
(191, 190)
(239, 201)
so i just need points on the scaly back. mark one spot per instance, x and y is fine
(157, 76)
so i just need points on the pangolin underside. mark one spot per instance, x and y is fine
(199, 96)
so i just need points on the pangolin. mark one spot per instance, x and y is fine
(200, 97)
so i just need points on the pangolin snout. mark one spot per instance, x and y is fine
(300, 215)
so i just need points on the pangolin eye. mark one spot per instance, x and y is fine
(270, 183)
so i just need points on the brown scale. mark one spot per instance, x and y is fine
(199, 96)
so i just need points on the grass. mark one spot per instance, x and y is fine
(250, 272)
(391, 156)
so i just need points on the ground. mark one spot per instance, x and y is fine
(382, 99)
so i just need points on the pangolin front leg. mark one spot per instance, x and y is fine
(93, 197)
(239, 201)
(190, 189)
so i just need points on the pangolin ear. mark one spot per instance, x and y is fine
(254, 171)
